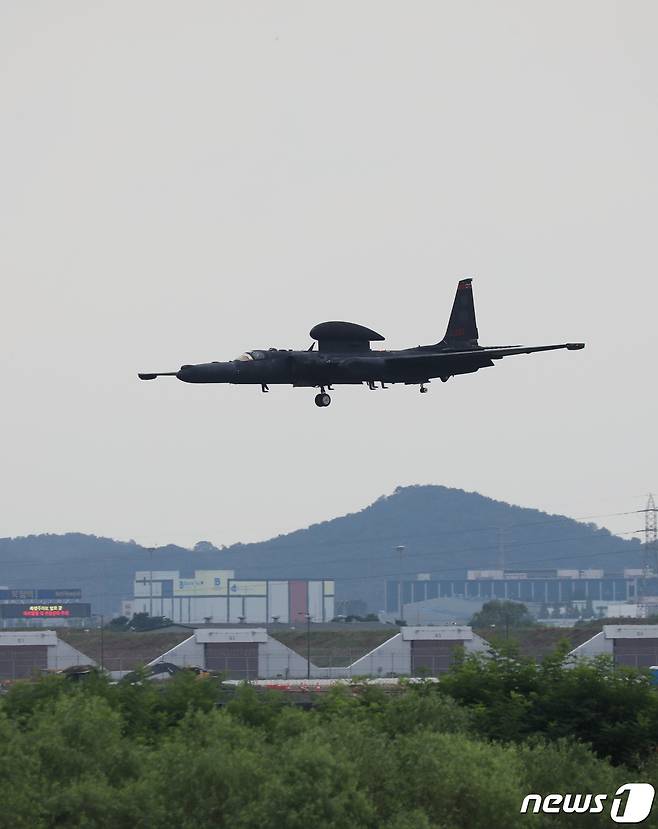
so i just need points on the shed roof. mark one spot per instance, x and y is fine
(454, 632)
(207, 635)
(630, 631)
(31, 637)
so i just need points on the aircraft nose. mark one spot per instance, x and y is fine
(208, 373)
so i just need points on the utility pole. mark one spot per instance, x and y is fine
(651, 536)
(501, 548)
(400, 551)
(102, 644)
(151, 583)
(308, 645)
(650, 557)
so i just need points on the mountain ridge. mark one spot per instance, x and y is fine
(444, 531)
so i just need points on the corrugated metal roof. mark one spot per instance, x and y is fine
(630, 631)
(205, 635)
(42, 637)
(458, 632)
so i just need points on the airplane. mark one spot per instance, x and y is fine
(344, 356)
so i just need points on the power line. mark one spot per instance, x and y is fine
(519, 563)
(424, 554)
(550, 519)
(446, 570)
(302, 549)
(650, 561)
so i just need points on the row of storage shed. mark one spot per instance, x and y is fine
(251, 653)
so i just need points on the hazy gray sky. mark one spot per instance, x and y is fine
(182, 181)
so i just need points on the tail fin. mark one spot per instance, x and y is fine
(462, 329)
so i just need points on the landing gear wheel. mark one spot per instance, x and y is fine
(322, 399)
(423, 390)
(445, 378)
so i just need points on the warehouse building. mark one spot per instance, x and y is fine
(428, 600)
(634, 646)
(249, 654)
(551, 587)
(216, 596)
(415, 651)
(436, 612)
(25, 653)
(240, 653)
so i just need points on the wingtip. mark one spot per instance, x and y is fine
(575, 346)
(143, 376)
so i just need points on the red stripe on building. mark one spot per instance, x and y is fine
(298, 601)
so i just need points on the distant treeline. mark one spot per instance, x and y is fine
(461, 753)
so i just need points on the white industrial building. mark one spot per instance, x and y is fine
(216, 596)
(442, 611)
(24, 654)
(249, 653)
(635, 646)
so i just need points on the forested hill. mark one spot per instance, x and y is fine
(443, 531)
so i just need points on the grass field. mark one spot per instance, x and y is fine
(122, 651)
(126, 651)
(335, 648)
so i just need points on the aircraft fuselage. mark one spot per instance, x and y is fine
(316, 368)
(344, 356)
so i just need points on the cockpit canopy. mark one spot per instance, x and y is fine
(250, 355)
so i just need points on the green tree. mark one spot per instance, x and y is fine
(566, 766)
(119, 623)
(502, 615)
(460, 781)
(19, 780)
(512, 698)
(142, 621)
(317, 786)
(207, 772)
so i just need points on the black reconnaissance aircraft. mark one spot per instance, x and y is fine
(344, 356)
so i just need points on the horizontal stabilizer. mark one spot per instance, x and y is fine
(143, 376)
(496, 353)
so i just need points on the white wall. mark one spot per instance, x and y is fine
(329, 611)
(144, 589)
(235, 608)
(391, 657)
(278, 600)
(277, 660)
(186, 653)
(596, 646)
(213, 606)
(62, 655)
(315, 602)
(255, 608)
